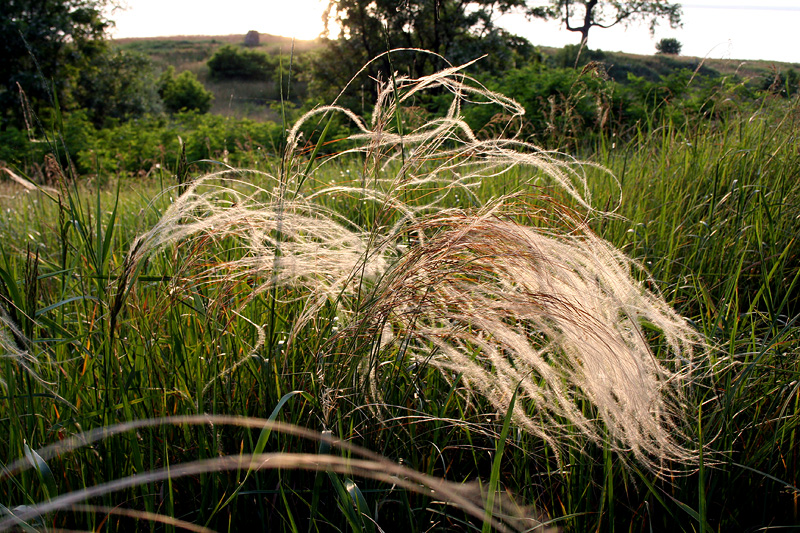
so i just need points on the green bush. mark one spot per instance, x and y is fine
(498, 50)
(231, 62)
(566, 108)
(184, 92)
(16, 150)
(137, 146)
(669, 46)
(668, 89)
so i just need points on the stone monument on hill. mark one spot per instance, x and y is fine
(251, 39)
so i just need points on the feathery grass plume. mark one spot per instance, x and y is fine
(283, 242)
(472, 293)
(296, 239)
(504, 306)
(445, 150)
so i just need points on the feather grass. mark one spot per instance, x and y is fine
(500, 304)
(201, 316)
(475, 294)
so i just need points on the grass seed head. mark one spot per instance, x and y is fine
(556, 314)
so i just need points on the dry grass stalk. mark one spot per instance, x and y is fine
(363, 463)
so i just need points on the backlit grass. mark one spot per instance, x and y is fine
(413, 302)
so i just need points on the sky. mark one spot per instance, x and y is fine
(719, 29)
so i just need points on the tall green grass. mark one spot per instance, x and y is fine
(96, 332)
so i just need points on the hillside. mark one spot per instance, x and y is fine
(618, 64)
(182, 51)
(257, 100)
(231, 98)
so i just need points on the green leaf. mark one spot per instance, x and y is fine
(498, 456)
(45, 474)
(261, 444)
(361, 504)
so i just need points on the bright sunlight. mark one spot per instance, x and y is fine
(301, 19)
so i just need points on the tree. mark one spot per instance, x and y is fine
(607, 13)
(445, 27)
(117, 85)
(44, 44)
(669, 46)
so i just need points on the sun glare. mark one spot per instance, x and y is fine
(301, 19)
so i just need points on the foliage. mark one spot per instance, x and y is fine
(498, 51)
(561, 104)
(608, 13)
(17, 149)
(456, 31)
(138, 147)
(234, 62)
(669, 46)
(184, 92)
(141, 146)
(565, 108)
(117, 85)
(665, 94)
(570, 108)
(45, 45)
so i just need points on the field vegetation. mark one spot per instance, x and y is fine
(564, 295)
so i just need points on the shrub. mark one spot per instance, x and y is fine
(184, 92)
(137, 146)
(17, 150)
(230, 62)
(669, 46)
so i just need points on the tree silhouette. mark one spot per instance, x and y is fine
(582, 15)
(669, 46)
(458, 30)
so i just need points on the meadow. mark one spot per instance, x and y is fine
(425, 331)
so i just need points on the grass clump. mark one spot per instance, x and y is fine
(414, 295)
(498, 303)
